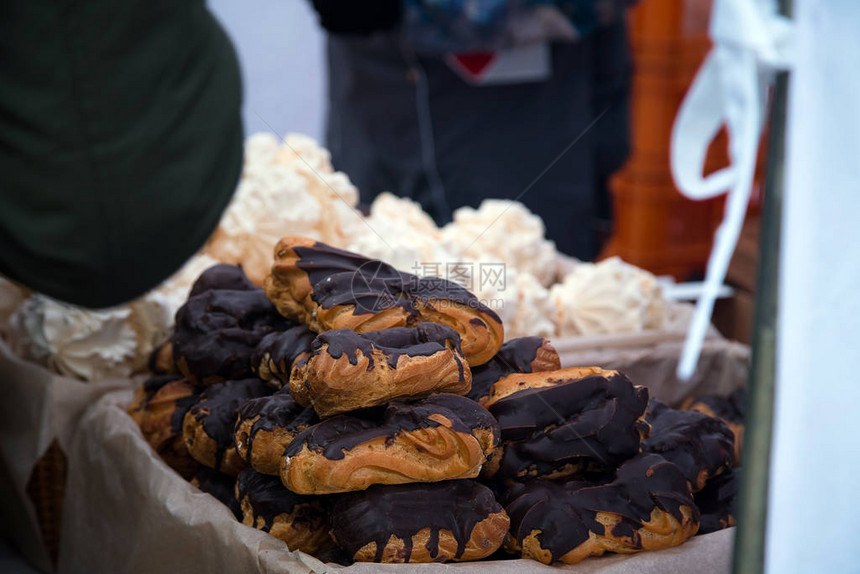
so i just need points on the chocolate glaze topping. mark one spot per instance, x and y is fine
(219, 485)
(593, 420)
(515, 356)
(282, 348)
(336, 555)
(342, 278)
(218, 407)
(424, 340)
(269, 498)
(278, 411)
(690, 439)
(183, 405)
(153, 384)
(373, 515)
(217, 331)
(221, 276)
(717, 500)
(336, 435)
(565, 513)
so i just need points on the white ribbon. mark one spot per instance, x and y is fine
(751, 43)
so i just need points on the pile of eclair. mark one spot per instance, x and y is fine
(360, 413)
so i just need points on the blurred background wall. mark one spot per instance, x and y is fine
(281, 52)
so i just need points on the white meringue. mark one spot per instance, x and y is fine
(506, 231)
(607, 297)
(303, 153)
(398, 232)
(402, 213)
(261, 148)
(286, 188)
(75, 342)
(522, 302)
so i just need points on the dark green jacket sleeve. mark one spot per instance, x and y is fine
(120, 142)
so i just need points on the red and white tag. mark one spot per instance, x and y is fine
(522, 64)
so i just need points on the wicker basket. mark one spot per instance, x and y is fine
(46, 488)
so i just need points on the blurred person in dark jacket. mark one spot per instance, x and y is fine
(450, 102)
(120, 142)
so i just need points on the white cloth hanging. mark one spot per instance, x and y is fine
(813, 505)
(751, 43)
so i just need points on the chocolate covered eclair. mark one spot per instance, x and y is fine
(702, 446)
(346, 371)
(217, 331)
(266, 426)
(208, 427)
(728, 409)
(278, 352)
(561, 423)
(438, 438)
(329, 289)
(435, 522)
(158, 408)
(221, 276)
(522, 355)
(717, 501)
(646, 505)
(300, 521)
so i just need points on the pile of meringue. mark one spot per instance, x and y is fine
(498, 251)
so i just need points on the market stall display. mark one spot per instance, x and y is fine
(228, 336)
(374, 417)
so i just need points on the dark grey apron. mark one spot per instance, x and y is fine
(411, 125)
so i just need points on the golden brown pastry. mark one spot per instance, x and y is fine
(701, 446)
(265, 426)
(300, 521)
(561, 423)
(438, 438)
(328, 288)
(278, 352)
(208, 427)
(158, 408)
(729, 409)
(347, 371)
(161, 360)
(522, 355)
(516, 382)
(646, 506)
(437, 522)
